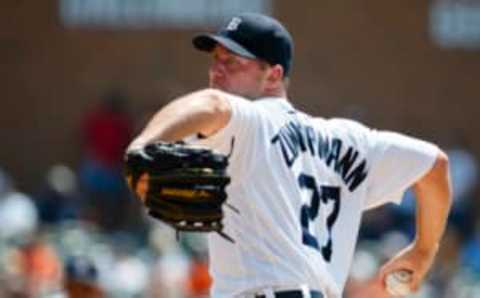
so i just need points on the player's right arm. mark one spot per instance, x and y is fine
(433, 200)
(400, 162)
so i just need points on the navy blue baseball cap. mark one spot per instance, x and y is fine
(254, 36)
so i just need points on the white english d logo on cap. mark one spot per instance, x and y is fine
(233, 25)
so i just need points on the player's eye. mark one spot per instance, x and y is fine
(230, 61)
(225, 60)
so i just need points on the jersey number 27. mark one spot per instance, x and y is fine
(308, 213)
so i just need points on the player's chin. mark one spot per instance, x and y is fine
(218, 85)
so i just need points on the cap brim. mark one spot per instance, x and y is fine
(206, 42)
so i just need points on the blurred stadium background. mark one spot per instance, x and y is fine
(80, 77)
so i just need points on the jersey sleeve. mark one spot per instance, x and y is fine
(397, 162)
(239, 137)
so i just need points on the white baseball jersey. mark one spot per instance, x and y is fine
(301, 185)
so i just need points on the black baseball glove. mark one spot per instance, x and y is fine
(181, 185)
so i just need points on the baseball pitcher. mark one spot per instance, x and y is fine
(297, 184)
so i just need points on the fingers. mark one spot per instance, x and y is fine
(399, 283)
(137, 181)
(403, 272)
(141, 189)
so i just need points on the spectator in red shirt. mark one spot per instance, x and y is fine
(106, 131)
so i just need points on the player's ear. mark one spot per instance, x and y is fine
(275, 74)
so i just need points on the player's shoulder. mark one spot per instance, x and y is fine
(273, 103)
(345, 129)
(347, 124)
(265, 105)
(273, 109)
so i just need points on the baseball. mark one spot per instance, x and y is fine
(398, 283)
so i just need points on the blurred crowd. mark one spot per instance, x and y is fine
(81, 234)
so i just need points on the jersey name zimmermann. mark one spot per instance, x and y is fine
(295, 138)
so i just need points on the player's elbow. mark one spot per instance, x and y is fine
(441, 169)
(216, 108)
(437, 180)
(215, 101)
(443, 166)
(442, 162)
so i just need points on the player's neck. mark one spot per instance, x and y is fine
(277, 92)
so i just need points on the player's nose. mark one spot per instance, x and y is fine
(217, 70)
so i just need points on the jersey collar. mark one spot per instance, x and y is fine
(284, 102)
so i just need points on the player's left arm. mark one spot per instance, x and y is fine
(433, 200)
(206, 112)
